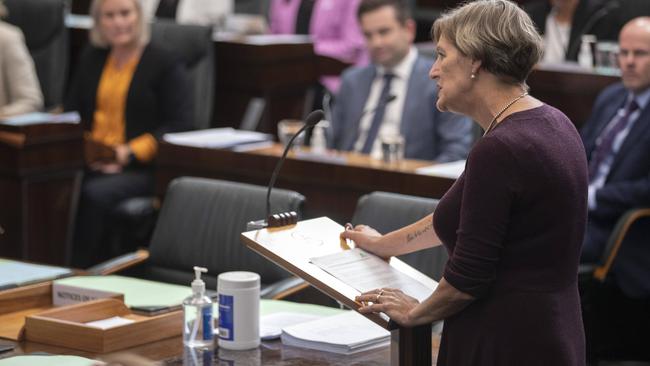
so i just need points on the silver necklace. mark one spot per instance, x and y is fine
(494, 120)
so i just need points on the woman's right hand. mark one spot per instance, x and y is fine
(366, 238)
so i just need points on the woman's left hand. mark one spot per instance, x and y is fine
(122, 154)
(393, 302)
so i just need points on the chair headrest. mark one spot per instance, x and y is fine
(40, 20)
(191, 42)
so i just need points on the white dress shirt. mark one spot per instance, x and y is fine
(393, 115)
(556, 40)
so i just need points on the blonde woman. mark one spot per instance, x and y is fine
(128, 92)
(513, 222)
(20, 91)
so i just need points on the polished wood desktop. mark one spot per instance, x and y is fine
(40, 166)
(270, 353)
(332, 188)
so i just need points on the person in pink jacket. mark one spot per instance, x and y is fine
(332, 24)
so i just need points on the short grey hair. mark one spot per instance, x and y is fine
(3, 10)
(496, 32)
(97, 39)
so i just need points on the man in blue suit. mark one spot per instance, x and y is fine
(617, 142)
(394, 95)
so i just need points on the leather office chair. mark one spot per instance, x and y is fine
(137, 215)
(624, 226)
(200, 223)
(386, 212)
(42, 23)
(194, 43)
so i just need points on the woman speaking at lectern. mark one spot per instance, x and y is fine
(513, 222)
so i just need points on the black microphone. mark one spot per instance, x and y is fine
(289, 217)
(595, 17)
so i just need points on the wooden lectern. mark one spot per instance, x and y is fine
(291, 247)
(40, 171)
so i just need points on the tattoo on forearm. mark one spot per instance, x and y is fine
(412, 236)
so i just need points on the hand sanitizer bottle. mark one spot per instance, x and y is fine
(197, 315)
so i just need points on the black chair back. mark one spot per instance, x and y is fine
(387, 212)
(200, 225)
(193, 43)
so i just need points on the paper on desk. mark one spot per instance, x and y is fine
(34, 360)
(39, 118)
(218, 138)
(345, 333)
(14, 273)
(364, 272)
(447, 170)
(271, 325)
(109, 323)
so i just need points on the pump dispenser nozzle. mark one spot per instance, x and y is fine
(198, 286)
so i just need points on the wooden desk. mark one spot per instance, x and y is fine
(572, 92)
(170, 352)
(40, 168)
(331, 188)
(279, 73)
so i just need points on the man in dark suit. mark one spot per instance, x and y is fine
(394, 95)
(617, 142)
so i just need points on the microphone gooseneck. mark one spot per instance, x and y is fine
(595, 17)
(312, 119)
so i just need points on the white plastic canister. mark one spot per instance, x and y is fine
(239, 310)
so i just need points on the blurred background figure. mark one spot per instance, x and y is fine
(128, 92)
(563, 22)
(201, 12)
(19, 88)
(332, 25)
(363, 115)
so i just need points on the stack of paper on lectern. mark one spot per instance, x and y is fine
(217, 138)
(346, 333)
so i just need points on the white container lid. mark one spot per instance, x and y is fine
(238, 280)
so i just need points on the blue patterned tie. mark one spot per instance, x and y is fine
(605, 142)
(378, 118)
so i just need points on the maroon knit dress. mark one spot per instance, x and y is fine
(513, 225)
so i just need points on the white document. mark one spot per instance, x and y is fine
(40, 118)
(345, 333)
(271, 325)
(446, 170)
(109, 323)
(218, 138)
(364, 272)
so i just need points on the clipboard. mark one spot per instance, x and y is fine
(291, 248)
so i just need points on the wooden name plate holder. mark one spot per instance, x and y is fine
(66, 327)
(291, 247)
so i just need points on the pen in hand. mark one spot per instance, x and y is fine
(346, 244)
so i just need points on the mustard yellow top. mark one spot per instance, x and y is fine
(110, 110)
